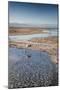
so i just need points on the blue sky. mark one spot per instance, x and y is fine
(33, 14)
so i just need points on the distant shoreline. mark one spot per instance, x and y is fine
(27, 30)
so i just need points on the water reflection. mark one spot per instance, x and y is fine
(30, 68)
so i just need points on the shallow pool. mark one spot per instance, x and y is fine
(30, 68)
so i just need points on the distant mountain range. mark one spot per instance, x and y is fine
(31, 26)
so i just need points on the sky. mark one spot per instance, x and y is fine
(33, 14)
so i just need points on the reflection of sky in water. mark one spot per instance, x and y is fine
(28, 37)
(38, 63)
(21, 55)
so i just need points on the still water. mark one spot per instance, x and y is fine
(28, 37)
(29, 68)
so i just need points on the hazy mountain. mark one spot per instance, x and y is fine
(28, 25)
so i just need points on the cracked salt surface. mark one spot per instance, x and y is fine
(33, 71)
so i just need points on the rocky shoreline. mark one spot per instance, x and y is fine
(44, 44)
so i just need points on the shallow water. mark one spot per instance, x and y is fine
(28, 37)
(29, 68)
(16, 54)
